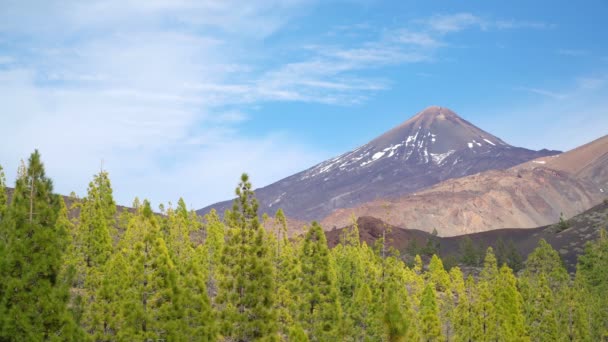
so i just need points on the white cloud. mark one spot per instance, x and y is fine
(544, 92)
(158, 89)
(113, 83)
(551, 121)
(573, 52)
(449, 23)
(452, 22)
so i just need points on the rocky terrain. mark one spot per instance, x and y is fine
(525, 196)
(570, 242)
(433, 146)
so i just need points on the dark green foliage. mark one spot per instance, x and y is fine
(432, 245)
(33, 295)
(506, 253)
(563, 224)
(470, 255)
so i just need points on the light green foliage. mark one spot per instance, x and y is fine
(430, 326)
(319, 313)
(149, 300)
(97, 221)
(592, 277)
(509, 311)
(246, 289)
(173, 276)
(399, 317)
(195, 319)
(485, 324)
(544, 286)
(3, 197)
(463, 316)
(212, 250)
(437, 275)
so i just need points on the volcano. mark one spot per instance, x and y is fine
(432, 146)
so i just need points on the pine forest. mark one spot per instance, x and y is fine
(81, 269)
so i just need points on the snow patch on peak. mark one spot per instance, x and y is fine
(378, 155)
(438, 158)
(470, 145)
(489, 142)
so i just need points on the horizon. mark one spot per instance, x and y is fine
(178, 99)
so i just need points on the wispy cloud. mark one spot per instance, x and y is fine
(573, 52)
(448, 23)
(159, 89)
(544, 92)
(561, 119)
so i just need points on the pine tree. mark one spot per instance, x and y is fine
(430, 326)
(541, 315)
(319, 313)
(247, 289)
(469, 254)
(91, 246)
(97, 221)
(462, 316)
(195, 317)
(399, 318)
(3, 198)
(509, 311)
(213, 248)
(592, 276)
(71, 264)
(150, 300)
(350, 277)
(438, 275)
(544, 287)
(33, 297)
(484, 305)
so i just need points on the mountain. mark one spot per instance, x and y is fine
(570, 243)
(434, 145)
(528, 195)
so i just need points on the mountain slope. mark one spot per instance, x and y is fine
(570, 243)
(434, 145)
(525, 196)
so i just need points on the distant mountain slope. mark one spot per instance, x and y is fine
(570, 243)
(525, 196)
(434, 145)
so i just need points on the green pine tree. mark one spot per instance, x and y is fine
(213, 247)
(247, 289)
(150, 299)
(195, 321)
(544, 285)
(462, 317)
(33, 294)
(592, 277)
(509, 311)
(3, 198)
(319, 313)
(430, 326)
(399, 317)
(485, 324)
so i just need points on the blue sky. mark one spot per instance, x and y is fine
(179, 97)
